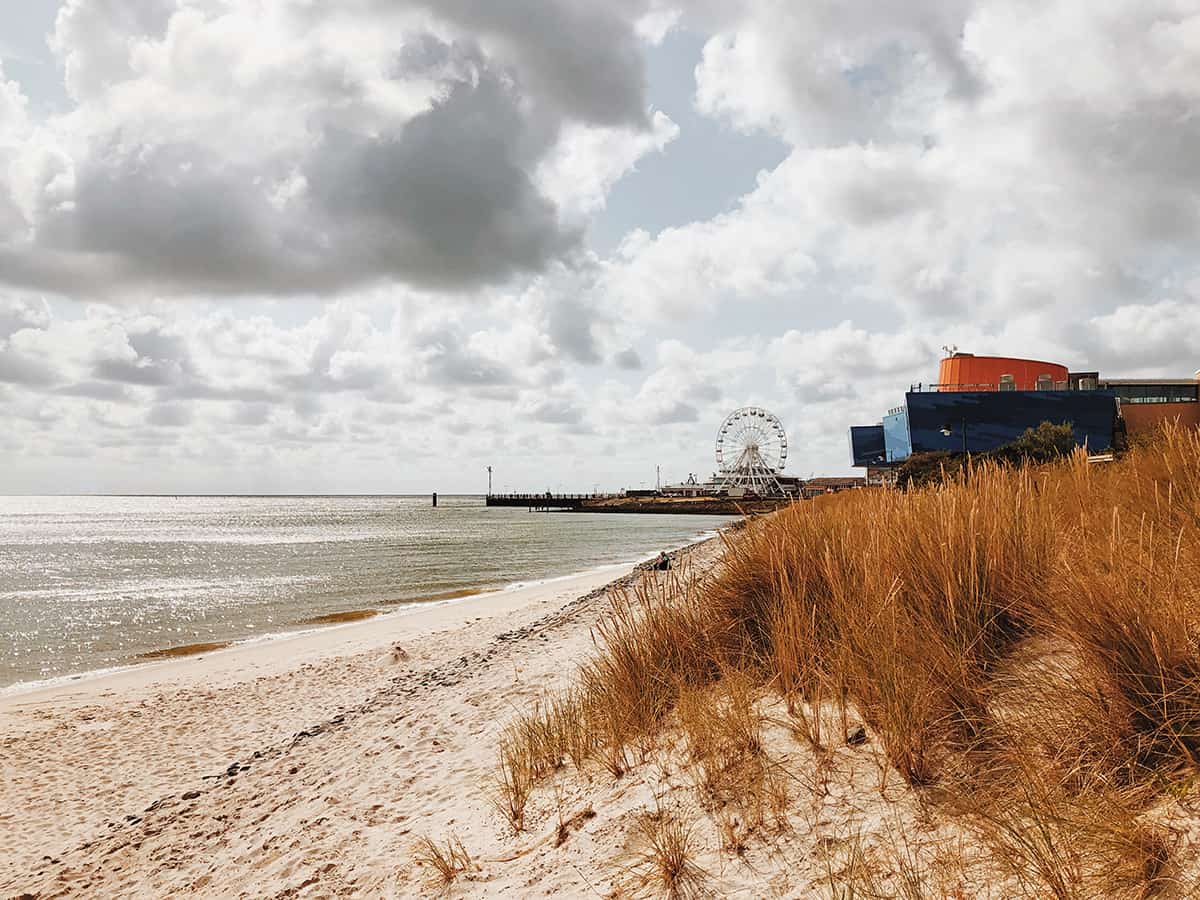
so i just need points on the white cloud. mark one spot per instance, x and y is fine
(587, 161)
(813, 359)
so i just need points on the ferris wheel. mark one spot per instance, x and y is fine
(752, 450)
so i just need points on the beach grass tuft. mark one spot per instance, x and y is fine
(446, 861)
(665, 845)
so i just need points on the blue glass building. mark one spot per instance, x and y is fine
(975, 421)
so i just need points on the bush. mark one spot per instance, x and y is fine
(1043, 444)
(1036, 446)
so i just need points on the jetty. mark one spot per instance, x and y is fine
(624, 503)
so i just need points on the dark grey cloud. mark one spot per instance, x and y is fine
(447, 200)
(169, 415)
(144, 373)
(307, 406)
(172, 215)
(677, 412)
(158, 345)
(628, 359)
(162, 359)
(555, 411)
(97, 390)
(570, 325)
(579, 56)
(20, 368)
(1146, 158)
(195, 389)
(252, 414)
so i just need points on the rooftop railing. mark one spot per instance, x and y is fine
(921, 388)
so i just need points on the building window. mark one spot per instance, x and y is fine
(1156, 393)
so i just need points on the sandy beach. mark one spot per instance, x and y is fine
(304, 766)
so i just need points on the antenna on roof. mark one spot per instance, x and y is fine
(950, 349)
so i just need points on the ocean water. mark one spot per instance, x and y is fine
(89, 583)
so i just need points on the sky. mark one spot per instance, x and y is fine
(375, 246)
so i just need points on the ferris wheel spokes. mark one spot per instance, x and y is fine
(751, 450)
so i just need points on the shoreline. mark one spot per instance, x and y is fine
(320, 746)
(254, 653)
(379, 612)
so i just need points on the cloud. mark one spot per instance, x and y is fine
(839, 72)
(628, 359)
(252, 414)
(571, 327)
(943, 166)
(1145, 338)
(14, 133)
(310, 149)
(169, 415)
(451, 362)
(674, 412)
(584, 57)
(19, 368)
(815, 361)
(148, 374)
(581, 169)
(98, 390)
(556, 411)
(92, 39)
(17, 314)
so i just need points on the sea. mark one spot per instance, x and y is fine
(95, 583)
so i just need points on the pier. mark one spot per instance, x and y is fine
(546, 501)
(623, 503)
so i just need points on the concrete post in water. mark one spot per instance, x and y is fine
(435, 498)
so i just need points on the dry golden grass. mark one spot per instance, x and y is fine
(516, 775)
(445, 861)
(736, 779)
(1028, 640)
(1070, 840)
(664, 847)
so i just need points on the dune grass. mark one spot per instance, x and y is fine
(445, 861)
(916, 612)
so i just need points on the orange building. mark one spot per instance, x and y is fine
(1146, 416)
(967, 372)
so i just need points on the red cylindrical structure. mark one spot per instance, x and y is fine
(964, 372)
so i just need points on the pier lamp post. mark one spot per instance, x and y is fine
(947, 430)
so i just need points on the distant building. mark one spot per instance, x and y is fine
(815, 487)
(983, 402)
